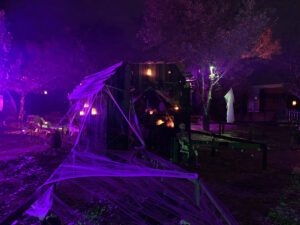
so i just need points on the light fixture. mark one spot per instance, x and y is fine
(159, 122)
(169, 71)
(94, 111)
(212, 74)
(86, 105)
(81, 113)
(45, 92)
(149, 72)
(176, 107)
(294, 103)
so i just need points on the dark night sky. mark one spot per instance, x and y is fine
(107, 27)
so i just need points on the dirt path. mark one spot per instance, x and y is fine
(25, 163)
(15, 153)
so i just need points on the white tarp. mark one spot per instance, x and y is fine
(229, 97)
(41, 207)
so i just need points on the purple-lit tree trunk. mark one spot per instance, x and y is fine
(22, 110)
(5, 43)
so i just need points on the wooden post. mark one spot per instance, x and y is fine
(250, 132)
(175, 150)
(264, 156)
(213, 149)
(197, 191)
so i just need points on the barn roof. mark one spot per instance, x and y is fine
(92, 84)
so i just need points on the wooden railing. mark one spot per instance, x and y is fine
(293, 115)
(242, 141)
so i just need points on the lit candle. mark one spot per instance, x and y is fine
(149, 72)
(94, 111)
(159, 122)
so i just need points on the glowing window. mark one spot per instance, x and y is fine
(159, 122)
(86, 105)
(294, 103)
(81, 113)
(94, 111)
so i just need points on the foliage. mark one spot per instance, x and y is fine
(38, 66)
(97, 215)
(204, 34)
(265, 47)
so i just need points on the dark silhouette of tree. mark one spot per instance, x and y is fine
(40, 66)
(210, 37)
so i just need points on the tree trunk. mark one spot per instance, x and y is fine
(205, 122)
(22, 111)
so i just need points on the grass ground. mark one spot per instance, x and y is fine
(255, 196)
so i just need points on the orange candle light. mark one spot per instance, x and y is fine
(149, 72)
(159, 122)
(176, 107)
(94, 111)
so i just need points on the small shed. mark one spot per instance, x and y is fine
(121, 106)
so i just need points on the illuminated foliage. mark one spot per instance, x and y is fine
(265, 47)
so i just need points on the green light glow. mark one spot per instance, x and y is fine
(212, 74)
